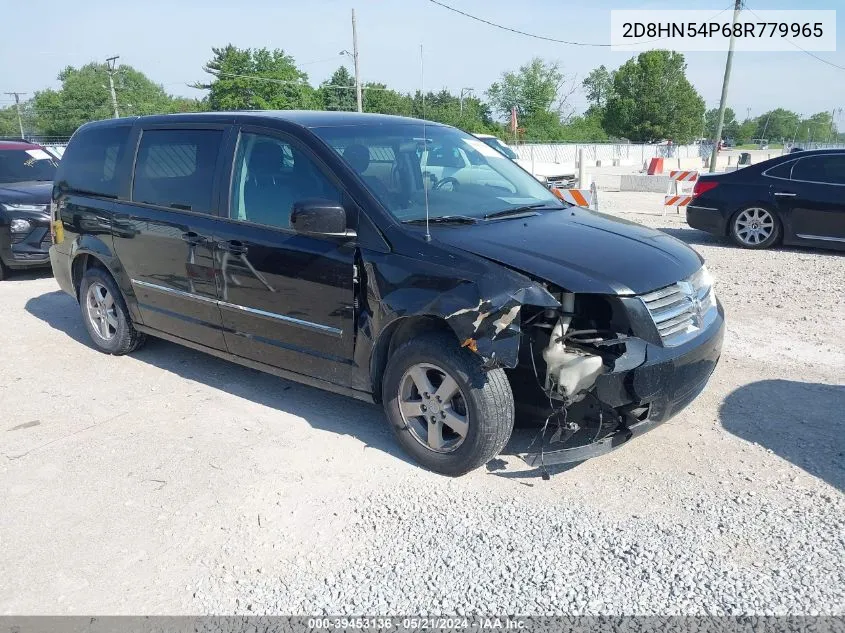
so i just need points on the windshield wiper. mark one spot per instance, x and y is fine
(444, 219)
(515, 210)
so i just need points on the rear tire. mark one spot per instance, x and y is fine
(471, 421)
(105, 315)
(4, 272)
(755, 227)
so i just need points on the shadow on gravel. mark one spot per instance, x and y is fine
(693, 236)
(321, 409)
(801, 422)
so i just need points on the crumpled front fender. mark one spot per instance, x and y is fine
(484, 311)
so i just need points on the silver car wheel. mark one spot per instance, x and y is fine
(433, 408)
(754, 226)
(102, 311)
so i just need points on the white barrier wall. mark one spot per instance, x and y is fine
(631, 154)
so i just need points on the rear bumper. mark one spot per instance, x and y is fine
(706, 219)
(665, 381)
(61, 270)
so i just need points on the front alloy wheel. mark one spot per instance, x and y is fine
(448, 412)
(755, 227)
(433, 408)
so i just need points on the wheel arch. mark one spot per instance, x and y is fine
(89, 252)
(394, 335)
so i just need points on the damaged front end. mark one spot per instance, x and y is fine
(566, 351)
(598, 371)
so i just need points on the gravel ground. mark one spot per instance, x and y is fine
(172, 482)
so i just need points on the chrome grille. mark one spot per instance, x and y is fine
(681, 310)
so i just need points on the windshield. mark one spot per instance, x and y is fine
(499, 146)
(21, 165)
(457, 173)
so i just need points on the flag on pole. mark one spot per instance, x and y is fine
(514, 125)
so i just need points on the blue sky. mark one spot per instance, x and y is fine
(170, 40)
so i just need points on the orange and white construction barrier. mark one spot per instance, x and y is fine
(683, 176)
(677, 201)
(677, 198)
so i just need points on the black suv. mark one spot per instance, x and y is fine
(26, 178)
(333, 249)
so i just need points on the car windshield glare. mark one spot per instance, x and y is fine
(19, 165)
(408, 165)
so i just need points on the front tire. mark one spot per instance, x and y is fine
(755, 227)
(448, 413)
(105, 315)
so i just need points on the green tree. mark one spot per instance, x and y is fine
(583, 129)
(730, 126)
(84, 96)
(338, 93)
(598, 86)
(377, 97)
(536, 88)
(256, 79)
(9, 122)
(779, 124)
(444, 107)
(746, 130)
(818, 128)
(186, 104)
(652, 100)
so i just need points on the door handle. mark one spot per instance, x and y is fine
(193, 239)
(233, 246)
(785, 194)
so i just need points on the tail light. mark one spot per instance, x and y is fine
(56, 230)
(702, 186)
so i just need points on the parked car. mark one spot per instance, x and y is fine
(26, 176)
(310, 245)
(792, 199)
(558, 175)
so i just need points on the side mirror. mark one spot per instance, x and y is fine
(317, 216)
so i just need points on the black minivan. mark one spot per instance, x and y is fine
(346, 251)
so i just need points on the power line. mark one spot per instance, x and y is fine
(543, 37)
(811, 54)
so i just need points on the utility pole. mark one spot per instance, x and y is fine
(355, 58)
(463, 92)
(725, 82)
(17, 96)
(111, 65)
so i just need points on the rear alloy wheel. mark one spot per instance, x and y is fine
(105, 315)
(755, 227)
(448, 413)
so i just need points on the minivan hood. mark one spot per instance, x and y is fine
(35, 192)
(579, 250)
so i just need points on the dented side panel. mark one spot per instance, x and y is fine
(482, 303)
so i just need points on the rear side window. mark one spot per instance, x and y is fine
(175, 168)
(89, 164)
(826, 169)
(781, 171)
